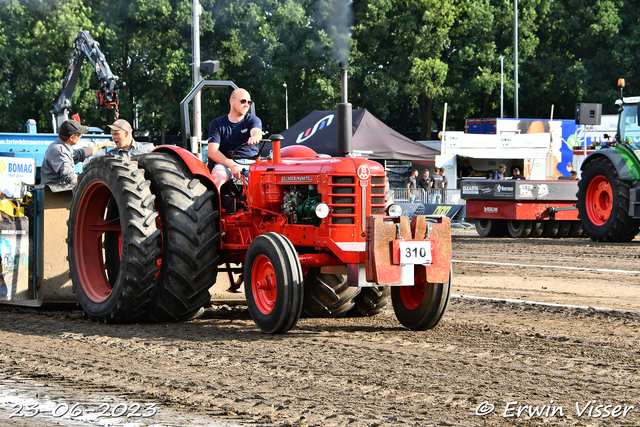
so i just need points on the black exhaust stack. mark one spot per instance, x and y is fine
(345, 129)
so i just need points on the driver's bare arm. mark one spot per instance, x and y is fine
(256, 136)
(218, 157)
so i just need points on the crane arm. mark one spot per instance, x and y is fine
(85, 47)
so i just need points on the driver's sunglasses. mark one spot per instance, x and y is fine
(245, 101)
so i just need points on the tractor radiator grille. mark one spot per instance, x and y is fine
(377, 195)
(343, 198)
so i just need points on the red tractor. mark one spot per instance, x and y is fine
(148, 236)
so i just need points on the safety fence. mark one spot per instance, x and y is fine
(432, 195)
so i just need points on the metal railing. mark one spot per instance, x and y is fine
(420, 195)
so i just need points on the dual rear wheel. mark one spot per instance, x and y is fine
(142, 240)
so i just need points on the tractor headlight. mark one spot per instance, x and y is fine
(394, 210)
(322, 210)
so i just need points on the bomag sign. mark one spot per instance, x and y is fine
(18, 170)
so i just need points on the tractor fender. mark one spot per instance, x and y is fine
(625, 162)
(194, 164)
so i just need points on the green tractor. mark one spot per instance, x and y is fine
(609, 190)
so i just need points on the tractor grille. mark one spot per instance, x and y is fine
(377, 195)
(343, 198)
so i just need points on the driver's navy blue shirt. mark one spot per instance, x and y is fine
(232, 135)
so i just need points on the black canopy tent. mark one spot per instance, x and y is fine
(319, 131)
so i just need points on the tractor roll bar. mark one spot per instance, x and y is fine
(185, 121)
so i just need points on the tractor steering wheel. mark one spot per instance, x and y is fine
(263, 142)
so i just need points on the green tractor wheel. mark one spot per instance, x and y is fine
(603, 203)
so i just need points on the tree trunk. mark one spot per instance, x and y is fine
(426, 115)
(486, 108)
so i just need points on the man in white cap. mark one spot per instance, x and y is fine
(60, 157)
(229, 132)
(126, 146)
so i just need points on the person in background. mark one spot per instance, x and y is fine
(436, 183)
(466, 170)
(445, 180)
(573, 175)
(229, 132)
(60, 158)
(516, 174)
(445, 184)
(514, 166)
(126, 146)
(424, 182)
(499, 173)
(412, 185)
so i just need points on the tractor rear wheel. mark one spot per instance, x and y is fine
(190, 238)
(603, 203)
(327, 295)
(421, 306)
(112, 207)
(273, 283)
(518, 229)
(490, 227)
(370, 301)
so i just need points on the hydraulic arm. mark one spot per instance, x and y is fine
(85, 47)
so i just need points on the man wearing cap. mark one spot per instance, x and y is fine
(126, 146)
(60, 158)
(229, 132)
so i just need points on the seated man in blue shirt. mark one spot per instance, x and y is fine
(499, 173)
(229, 132)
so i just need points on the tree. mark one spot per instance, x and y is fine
(35, 49)
(399, 66)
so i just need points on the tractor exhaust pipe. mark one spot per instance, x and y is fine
(345, 129)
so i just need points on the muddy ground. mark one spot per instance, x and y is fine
(487, 363)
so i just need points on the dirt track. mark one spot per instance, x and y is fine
(367, 372)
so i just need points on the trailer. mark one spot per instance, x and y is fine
(521, 208)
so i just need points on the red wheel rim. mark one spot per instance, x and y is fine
(263, 284)
(159, 225)
(90, 227)
(599, 200)
(412, 296)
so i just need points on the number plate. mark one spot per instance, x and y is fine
(412, 252)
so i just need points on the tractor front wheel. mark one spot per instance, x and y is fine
(273, 283)
(603, 203)
(421, 306)
(113, 241)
